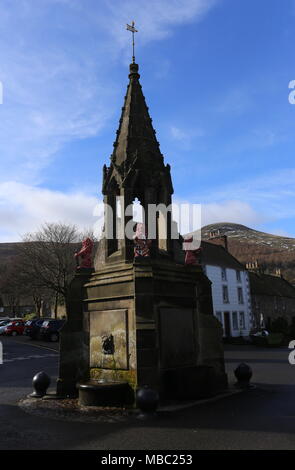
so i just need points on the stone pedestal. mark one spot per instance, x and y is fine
(74, 360)
(139, 323)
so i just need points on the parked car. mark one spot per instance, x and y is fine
(258, 333)
(3, 325)
(50, 329)
(14, 328)
(32, 327)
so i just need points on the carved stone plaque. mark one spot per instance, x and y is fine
(109, 339)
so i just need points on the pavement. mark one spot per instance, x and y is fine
(261, 418)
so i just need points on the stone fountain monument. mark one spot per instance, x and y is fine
(143, 315)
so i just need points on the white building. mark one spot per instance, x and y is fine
(230, 287)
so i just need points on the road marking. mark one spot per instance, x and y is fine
(36, 356)
(38, 345)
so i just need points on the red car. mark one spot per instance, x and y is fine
(14, 328)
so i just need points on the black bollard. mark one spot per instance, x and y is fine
(147, 401)
(243, 375)
(41, 382)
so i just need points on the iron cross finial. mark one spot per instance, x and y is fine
(133, 30)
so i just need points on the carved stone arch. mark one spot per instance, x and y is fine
(114, 186)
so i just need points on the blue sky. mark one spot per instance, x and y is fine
(215, 75)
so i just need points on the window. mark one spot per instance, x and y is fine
(225, 294)
(235, 320)
(238, 273)
(242, 321)
(223, 274)
(219, 316)
(240, 295)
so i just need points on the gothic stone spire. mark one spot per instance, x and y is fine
(136, 159)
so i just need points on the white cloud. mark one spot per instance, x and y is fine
(154, 19)
(256, 139)
(46, 104)
(281, 232)
(238, 212)
(24, 208)
(267, 198)
(56, 73)
(233, 211)
(56, 62)
(178, 134)
(186, 136)
(270, 191)
(235, 101)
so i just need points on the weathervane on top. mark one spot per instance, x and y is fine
(133, 30)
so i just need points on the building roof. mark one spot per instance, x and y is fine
(266, 284)
(217, 255)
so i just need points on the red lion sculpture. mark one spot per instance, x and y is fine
(85, 254)
(142, 245)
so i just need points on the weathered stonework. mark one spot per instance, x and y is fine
(143, 320)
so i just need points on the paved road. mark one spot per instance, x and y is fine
(37, 342)
(263, 418)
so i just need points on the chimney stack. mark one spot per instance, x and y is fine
(254, 267)
(218, 239)
(278, 272)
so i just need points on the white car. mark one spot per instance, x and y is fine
(3, 325)
(261, 333)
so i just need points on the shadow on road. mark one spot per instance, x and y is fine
(244, 420)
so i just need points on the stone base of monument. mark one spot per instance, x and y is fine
(102, 393)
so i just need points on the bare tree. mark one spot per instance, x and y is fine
(10, 286)
(19, 286)
(47, 258)
(43, 267)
